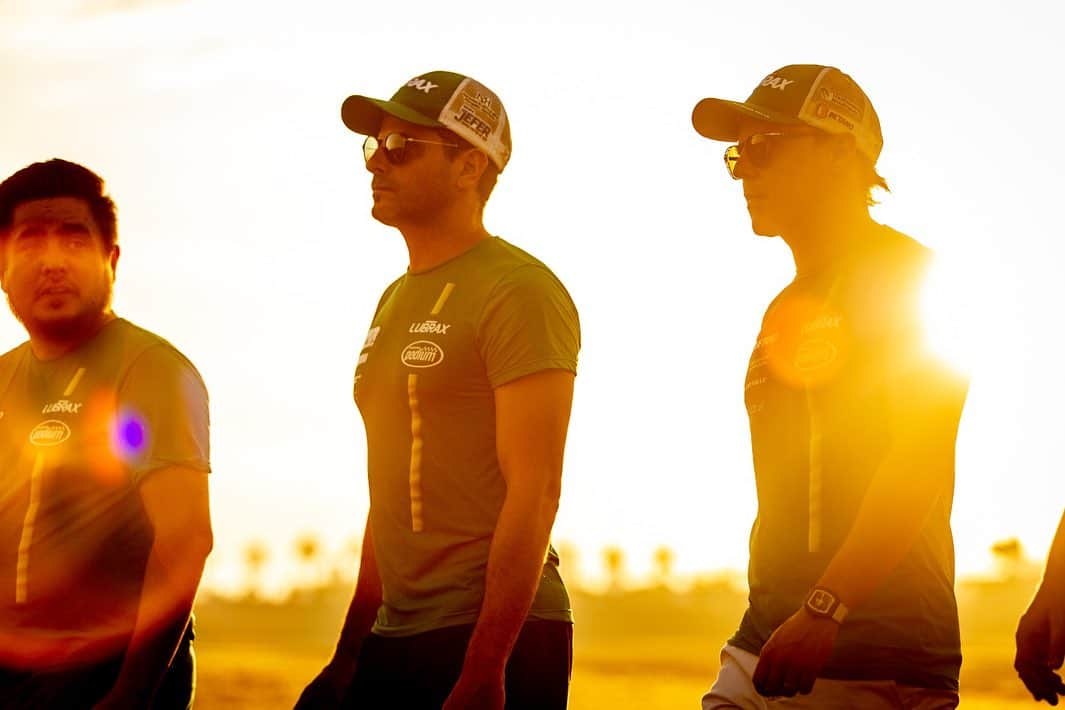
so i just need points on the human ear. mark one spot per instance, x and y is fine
(472, 165)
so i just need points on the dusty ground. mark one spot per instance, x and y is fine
(647, 650)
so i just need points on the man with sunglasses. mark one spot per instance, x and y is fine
(852, 420)
(464, 384)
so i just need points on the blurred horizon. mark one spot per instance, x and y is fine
(306, 563)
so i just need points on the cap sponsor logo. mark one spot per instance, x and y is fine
(421, 85)
(842, 101)
(51, 432)
(422, 353)
(824, 112)
(776, 82)
(476, 109)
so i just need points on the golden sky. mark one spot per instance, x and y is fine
(247, 240)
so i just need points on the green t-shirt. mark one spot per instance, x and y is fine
(77, 436)
(833, 349)
(440, 342)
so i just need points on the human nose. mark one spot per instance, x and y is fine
(377, 164)
(53, 257)
(744, 167)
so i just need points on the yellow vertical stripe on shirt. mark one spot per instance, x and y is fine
(74, 382)
(816, 469)
(816, 515)
(448, 288)
(417, 524)
(22, 567)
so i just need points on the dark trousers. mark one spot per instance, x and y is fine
(83, 687)
(417, 672)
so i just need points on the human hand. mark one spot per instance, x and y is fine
(477, 691)
(794, 655)
(1041, 647)
(327, 689)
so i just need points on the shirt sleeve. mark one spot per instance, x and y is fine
(529, 324)
(162, 417)
(921, 384)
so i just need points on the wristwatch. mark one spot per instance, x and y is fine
(822, 603)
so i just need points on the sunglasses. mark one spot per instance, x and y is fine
(395, 147)
(754, 149)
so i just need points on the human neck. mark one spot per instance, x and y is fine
(445, 237)
(47, 348)
(828, 235)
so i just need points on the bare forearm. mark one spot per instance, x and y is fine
(1054, 577)
(515, 565)
(888, 523)
(362, 612)
(171, 578)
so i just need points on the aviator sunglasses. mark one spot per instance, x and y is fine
(395, 147)
(754, 149)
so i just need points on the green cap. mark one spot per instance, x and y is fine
(810, 94)
(440, 99)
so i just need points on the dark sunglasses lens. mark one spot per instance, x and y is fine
(756, 149)
(732, 156)
(395, 145)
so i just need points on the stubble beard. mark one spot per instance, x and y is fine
(69, 329)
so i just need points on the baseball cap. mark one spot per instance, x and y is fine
(810, 94)
(440, 99)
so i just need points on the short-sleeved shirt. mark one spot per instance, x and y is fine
(78, 434)
(833, 349)
(440, 342)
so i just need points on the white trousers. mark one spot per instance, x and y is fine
(734, 690)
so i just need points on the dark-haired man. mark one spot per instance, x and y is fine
(464, 384)
(104, 521)
(852, 421)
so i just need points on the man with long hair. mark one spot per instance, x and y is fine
(853, 422)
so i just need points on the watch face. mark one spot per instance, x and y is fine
(820, 601)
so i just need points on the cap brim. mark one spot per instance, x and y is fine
(719, 119)
(363, 115)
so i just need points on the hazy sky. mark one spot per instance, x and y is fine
(247, 240)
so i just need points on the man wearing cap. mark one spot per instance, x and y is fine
(104, 515)
(852, 422)
(464, 384)
(1041, 630)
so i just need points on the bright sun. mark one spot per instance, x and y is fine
(949, 309)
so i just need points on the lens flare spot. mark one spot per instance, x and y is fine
(133, 434)
(806, 342)
(130, 436)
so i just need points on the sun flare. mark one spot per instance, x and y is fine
(949, 309)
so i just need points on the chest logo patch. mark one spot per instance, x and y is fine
(371, 337)
(813, 354)
(422, 353)
(63, 405)
(430, 326)
(51, 432)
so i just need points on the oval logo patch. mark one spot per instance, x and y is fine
(422, 353)
(813, 354)
(49, 433)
